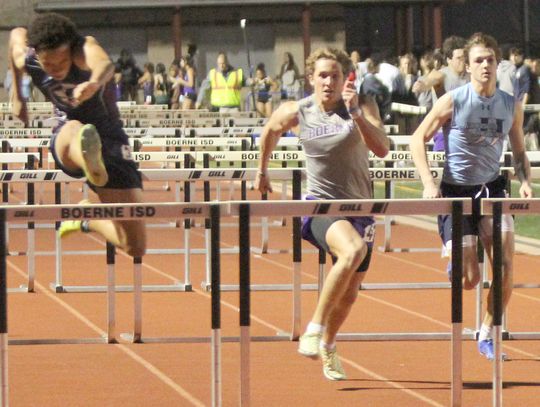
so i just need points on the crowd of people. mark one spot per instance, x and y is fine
(337, 125)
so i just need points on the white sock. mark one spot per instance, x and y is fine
(314, 328)
(327, 346)
(485, 333)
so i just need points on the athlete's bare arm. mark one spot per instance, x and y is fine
(283, 119)
(371, 127)
(440, 114)
(522, 166)
(16, 56)
(95, 59)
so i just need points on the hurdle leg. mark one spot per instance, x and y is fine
(497, 303)
(283, 220)
(207, 258)
(3, 312)
(244, 300)
(457, 304)
(111, 291)
(58, 284)
(297, 279)
(137, 299)
(187, 255)
(31, 256)
(216, 306)
(322, 262)
(481, 285)
(497, 366)
(264, 229)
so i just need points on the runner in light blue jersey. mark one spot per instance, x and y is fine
(476, 116)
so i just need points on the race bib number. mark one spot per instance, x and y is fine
(369, 233)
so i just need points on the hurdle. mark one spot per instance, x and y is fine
(107, 211)
(186, 175)
(496, 208)
(353, 208)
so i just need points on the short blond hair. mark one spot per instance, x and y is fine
(329, 53)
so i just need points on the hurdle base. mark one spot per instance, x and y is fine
(121, 288)
(205, 339)
(23, 288)
(131, 337)
(408, 249)
(206, 286)
(63, 341)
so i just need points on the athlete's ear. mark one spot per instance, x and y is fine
(311, 81)
(467, 68)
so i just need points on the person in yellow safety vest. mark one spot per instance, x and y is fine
(224, 84)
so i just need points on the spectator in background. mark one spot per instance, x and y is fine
(175, 90)
(161, 85)
(263, 86)
(223, 84)
(129, 75)
(289, 77)
(372, 86)
(359, 69)
(523, 74)
(146, 82)
(187, 79)
(506, 74)
(408, 73)
(447, 78)
(532, 122)
(388, 72)
(427, 64)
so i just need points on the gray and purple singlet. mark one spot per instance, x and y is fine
(337, 162)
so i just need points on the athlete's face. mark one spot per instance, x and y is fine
(327, 82)
(56, 62)
(457, 62)
(482, 64)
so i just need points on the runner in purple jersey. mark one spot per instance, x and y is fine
(75, 74)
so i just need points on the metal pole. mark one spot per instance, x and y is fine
(245, 311)
(457, 304)
(250, 67)
(526, 26)
(3, 313)
(497, 303)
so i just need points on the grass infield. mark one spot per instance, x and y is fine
(528, 225)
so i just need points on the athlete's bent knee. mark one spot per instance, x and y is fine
(354, 256)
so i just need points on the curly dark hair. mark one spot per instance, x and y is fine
(51, 30)
(452, 43)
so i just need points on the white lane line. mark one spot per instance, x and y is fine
(143, 362)
(391, 383)
(362, 369)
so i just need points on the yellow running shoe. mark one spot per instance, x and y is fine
(332, 368)
(68, 227)
(93, 166)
